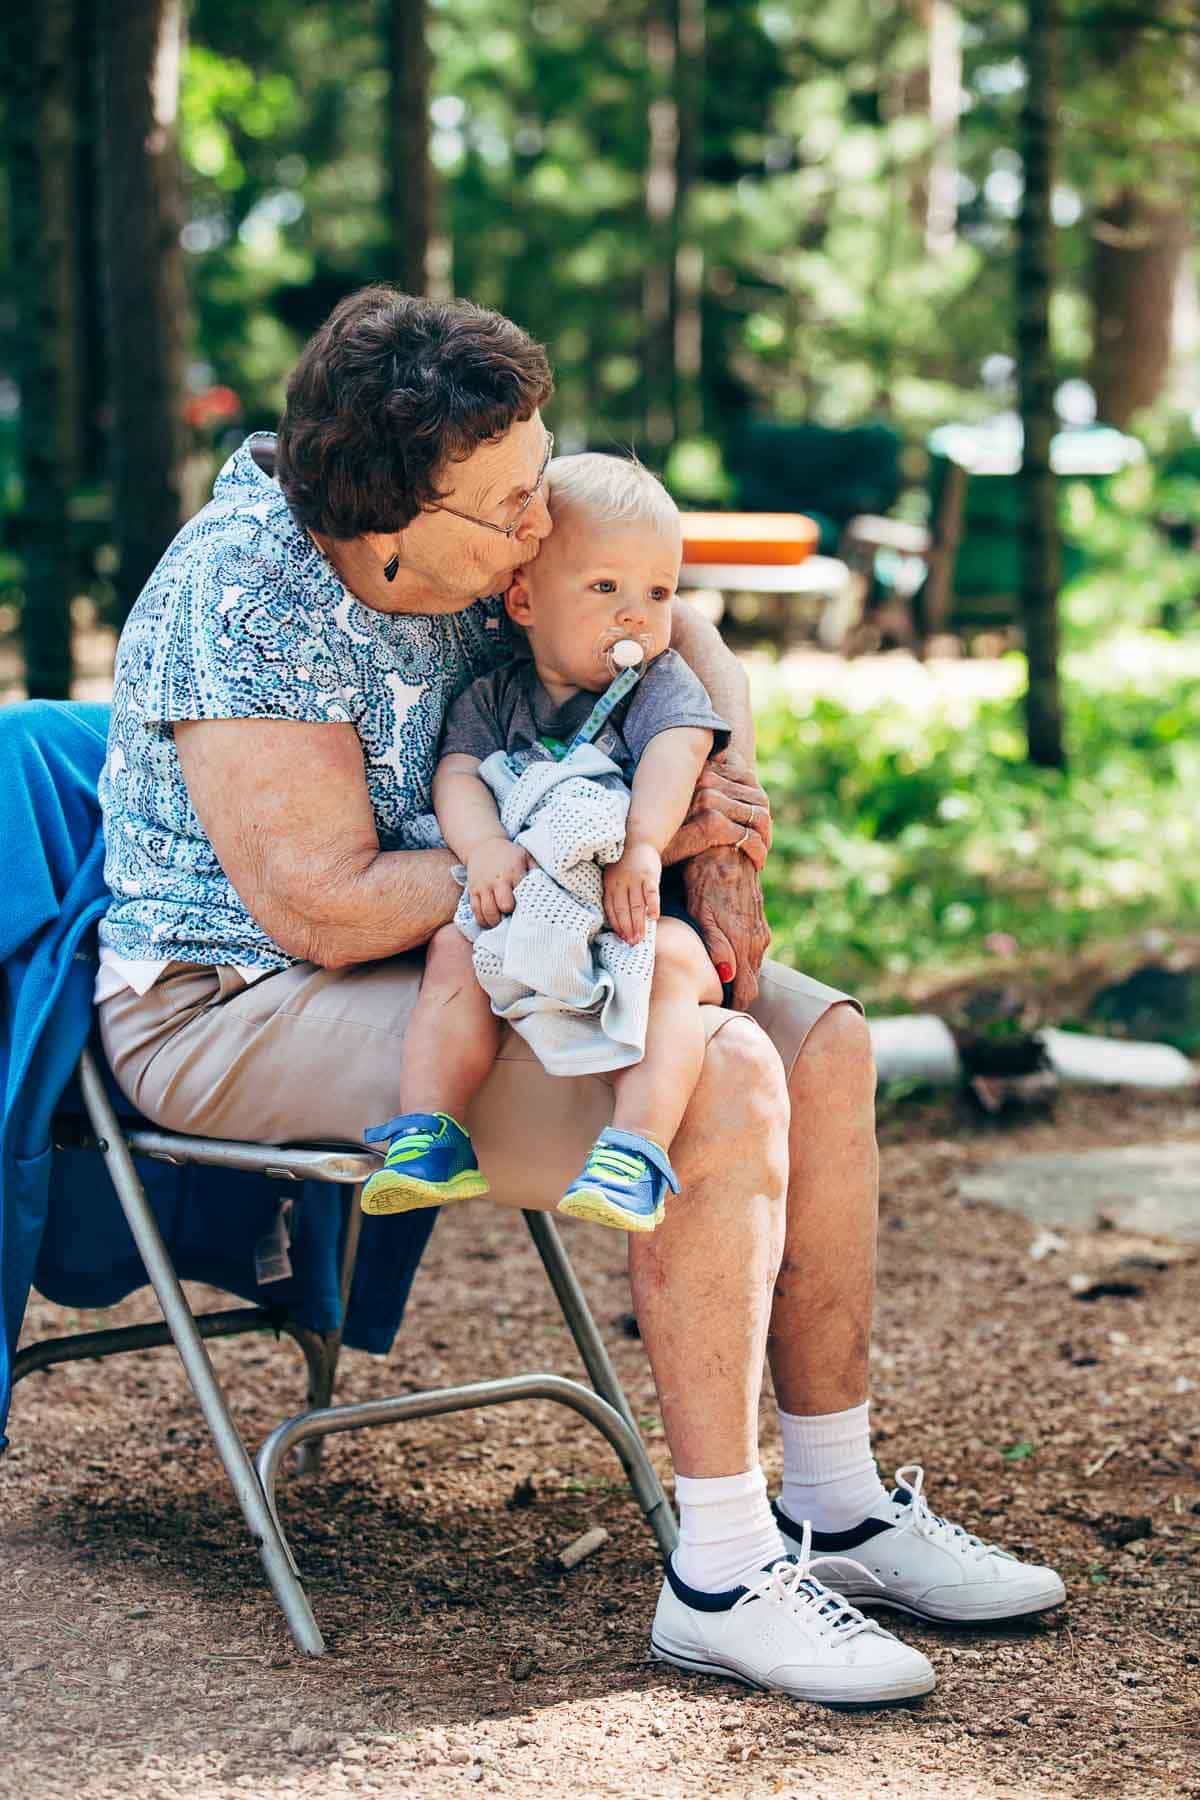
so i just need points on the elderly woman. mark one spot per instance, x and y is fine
(280, 688)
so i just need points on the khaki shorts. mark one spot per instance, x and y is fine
(312, 1056)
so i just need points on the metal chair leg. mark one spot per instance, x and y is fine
(84, 1346)
(323, 1361)
(238, 1467)
(578, 1315)
(362, 1414)
(320, 1353)
(354, 1219)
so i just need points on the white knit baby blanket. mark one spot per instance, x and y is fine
(577, 993)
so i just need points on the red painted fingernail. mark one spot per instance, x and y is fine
(725, 971)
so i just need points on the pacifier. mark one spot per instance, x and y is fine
(625, 652)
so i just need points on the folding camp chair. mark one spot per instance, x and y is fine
(603, 1405)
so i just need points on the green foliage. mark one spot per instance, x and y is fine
(819, 297)
(1135, 537)
(905, 842)
(222, 103)
(284, 149)
(1133, 119)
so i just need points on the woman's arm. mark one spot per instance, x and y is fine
(724, 840)
(286, 809)
(728, 797)
(708, 656)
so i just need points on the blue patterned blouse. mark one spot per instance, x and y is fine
(244, 619)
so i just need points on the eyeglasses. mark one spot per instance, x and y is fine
(508, 530)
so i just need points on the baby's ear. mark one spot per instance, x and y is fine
(517, 601)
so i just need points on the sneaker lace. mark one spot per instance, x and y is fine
(791, 1584)
(615, 1165)
(927, 1524)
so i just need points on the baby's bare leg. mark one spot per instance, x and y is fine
(653, 1095)
(453, 1036)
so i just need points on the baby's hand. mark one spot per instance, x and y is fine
(493, 871)
(631, 891)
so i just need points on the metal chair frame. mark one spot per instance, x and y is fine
(603, 1405)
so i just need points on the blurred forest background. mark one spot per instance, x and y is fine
(776, 248)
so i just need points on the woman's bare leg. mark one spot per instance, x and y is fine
(821, 1320)
(702, 1283)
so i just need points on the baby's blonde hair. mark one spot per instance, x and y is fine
(612, 489)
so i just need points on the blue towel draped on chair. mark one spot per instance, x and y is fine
(61, 1227)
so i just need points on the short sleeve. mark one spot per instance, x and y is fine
(473, 726)
(232, 638)
(669, 696)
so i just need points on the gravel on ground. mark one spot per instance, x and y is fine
(142, 1654)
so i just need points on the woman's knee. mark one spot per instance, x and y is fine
(746, 1077)
(836, 1055)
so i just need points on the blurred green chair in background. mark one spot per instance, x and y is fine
(831, 475)
(962, 573)
(834, 476)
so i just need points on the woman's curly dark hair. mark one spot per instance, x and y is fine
(386, 393)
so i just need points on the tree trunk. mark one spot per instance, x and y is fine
(1138, 247)
(673, 279)
(658, 280)
(1035, 366)
(141, 45)
(38, 99)
(945, 106)
(934, 89)
(411, 184)
(687, 256)
(91, 351)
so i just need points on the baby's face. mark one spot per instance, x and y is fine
(592, 584)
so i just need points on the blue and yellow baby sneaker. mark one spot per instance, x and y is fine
(623, 1184)
(430, 1161)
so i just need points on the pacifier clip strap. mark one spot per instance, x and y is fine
(611, 698)
(593, 725)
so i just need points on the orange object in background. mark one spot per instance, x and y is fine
(748, 537)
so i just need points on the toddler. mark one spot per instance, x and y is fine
(599, 593)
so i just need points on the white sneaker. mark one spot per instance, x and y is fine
(790, 1633)
(919, 1563)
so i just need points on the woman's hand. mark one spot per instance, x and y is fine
(729, 810)
(493, 870)
(725, 899)
(631, 891)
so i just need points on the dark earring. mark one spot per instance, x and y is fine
(391, 568)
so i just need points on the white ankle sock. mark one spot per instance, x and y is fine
(727, 1532)
(829, 1474)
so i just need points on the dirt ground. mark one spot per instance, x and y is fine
(142, 1654)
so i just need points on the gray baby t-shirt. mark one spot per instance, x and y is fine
(510, 710)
